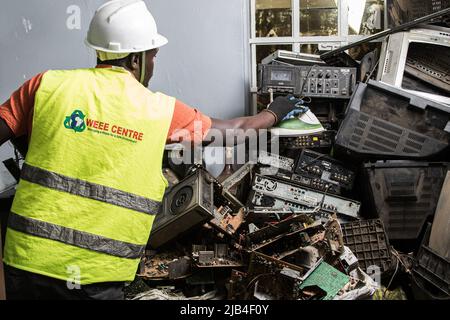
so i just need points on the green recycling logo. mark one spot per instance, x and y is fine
(75, 121)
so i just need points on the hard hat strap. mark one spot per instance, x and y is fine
(142, 67)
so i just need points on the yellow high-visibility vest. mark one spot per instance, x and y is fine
(92, 181)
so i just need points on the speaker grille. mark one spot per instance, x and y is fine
(181, 200)
(385, 142)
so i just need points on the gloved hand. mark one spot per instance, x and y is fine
(282, 106)
(296, 112)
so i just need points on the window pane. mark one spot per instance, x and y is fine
(318, 17)
(273, 18)
(365, 17)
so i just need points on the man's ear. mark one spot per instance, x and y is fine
(135, 62)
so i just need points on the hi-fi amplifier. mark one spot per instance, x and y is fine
(186, 205)
(321, 172)
(266, 208)
(288, 194)
(314, 170)
(308, 81)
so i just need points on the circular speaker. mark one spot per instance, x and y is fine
(181, 200)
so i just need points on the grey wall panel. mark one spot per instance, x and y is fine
(206, 60)
(34, 37)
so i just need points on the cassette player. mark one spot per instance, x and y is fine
(309, 81)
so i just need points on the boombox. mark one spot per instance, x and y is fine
(186, 205)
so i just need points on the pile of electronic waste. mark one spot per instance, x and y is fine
(282, 229)
(285, 242)
(359, 210)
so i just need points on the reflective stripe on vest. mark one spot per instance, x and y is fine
(92, 179)
(89, 190)
(74, 237)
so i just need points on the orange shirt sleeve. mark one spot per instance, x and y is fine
(188, 124)
(17, 111)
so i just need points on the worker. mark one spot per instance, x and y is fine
(92, 180)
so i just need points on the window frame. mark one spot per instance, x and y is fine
(341, 39)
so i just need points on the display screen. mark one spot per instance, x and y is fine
(281, 76)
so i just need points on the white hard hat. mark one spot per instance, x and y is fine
(121, 26)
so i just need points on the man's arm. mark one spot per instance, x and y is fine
(262, 120)
(233, 131)
(237, 127)
(188, 124)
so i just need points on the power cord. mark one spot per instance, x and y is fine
(371, 72)
(396, 254)
(392, 278)
(324, 195)
(306, 80)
